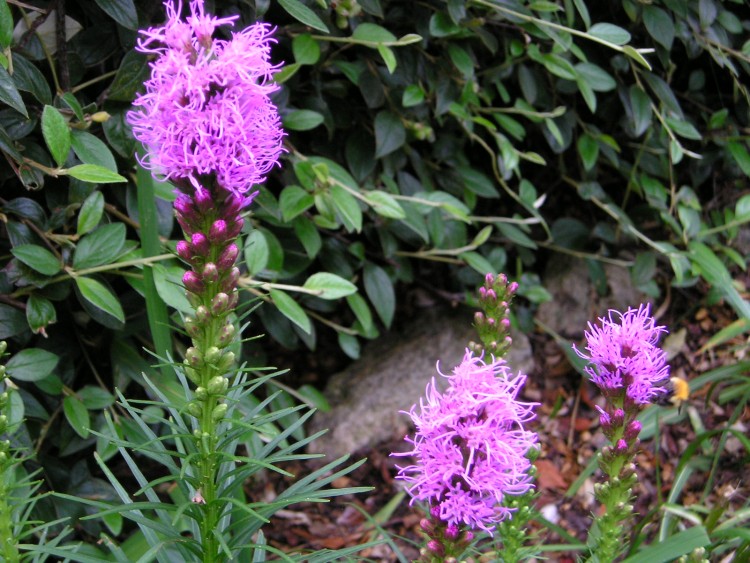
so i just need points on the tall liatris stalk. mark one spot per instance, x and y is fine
(471, 445)
(630, 370)
(210, 128)
(8, 541)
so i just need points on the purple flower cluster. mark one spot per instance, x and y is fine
(626, 358)
(206, 115)
(470, 444)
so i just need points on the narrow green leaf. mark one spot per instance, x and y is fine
(291, 310)
(389, 57)
(122, 11)
(379, 290)
(303, 14)
(329, 285)
(302, 120)
(37, 258)
(673, 547)
(77, 415)
(101, 246)
(360, 309)
(6, 25)
(94, 174)
(91, 212)
(31, 364)
(640, 105)
(56, 134)
(9, 93)
(97, 294)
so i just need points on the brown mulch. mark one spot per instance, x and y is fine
(568, 428)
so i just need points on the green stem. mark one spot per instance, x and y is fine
(9, 548)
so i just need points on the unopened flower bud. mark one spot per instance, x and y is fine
(234, 298)
(478, 318)
(232, 205)
(512, 287)
(100, 117)
(435, 512)
(427, 525)
(202, 313)
(491, 295)
(227, 361)
(234, 228)
(482, 293)
(219, 303)
(200, 244)
(436, 547)
(3, 347)
(192, 282)
(226, 334)
(505, 323)
(218, 231)
(210, 273)
(489, 279)
(632, 430)
(193, 356)
(201, 393)
(195, 409)
(621, 447)
(468, 536)
(228, 257)
(451, 532)
(203, 200)
(212, 355)
(191, 374)
(183, 250)
(230, 281)
(192, 327)
(218, 385)
(184, 206)
(219, 412)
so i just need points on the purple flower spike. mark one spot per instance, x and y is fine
(471, 444)
(625, 356)
(206, 113)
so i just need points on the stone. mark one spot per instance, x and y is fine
(391, 376)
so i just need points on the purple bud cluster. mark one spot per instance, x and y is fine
(493, 322)
(471, 446)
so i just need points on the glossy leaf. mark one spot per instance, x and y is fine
(94, 174)
(122, 11)
(77, 415)
(91, 212)
(303, 14)
(380, 292)
(99, 296)
(56, 134)
(38, 259)
(31, 364)
(329, 286)
(40, 313)
(9, 93)
(291, 309)
(100, 246)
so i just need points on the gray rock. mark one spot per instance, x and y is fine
(575, 301)
(391, 376)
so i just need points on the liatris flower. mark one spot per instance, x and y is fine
(493, 323)
(471, 445)
(625, 356)
(206, 115)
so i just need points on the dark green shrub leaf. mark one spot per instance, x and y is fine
(379, 289)
(329, 286)
(122, 11)
(291, 310)
(95, 398)
(302, 120)
(478, 263)
(640, 105)
(347, 208)
(741, 156)
(94, 174)
(388, 56)
(293, 201)
(8, 146)
(129, 78)
(588, 148)
(707, 12)
(314, 398)
(90, 150)
(40, 312)
(56, 134)
(373, 33)
(413, 96)
(390, 134)
(29, 78)
(303, 14)
(256, 252)
(306, 49)
(6, 25)
(360, 309)
(71, 101)
(99, 296)
(596, 77)
(308, 235)
(385, 204)
(91, 212)
(683, 128)
(37, 258)
(9, 93)
(349, 344)
(77, 415)
(659, 26)
(101, 246)
(12, 321)
(610, 33)
(31, 364)
(477, 182)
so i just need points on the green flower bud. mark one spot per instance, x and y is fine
(195, 409)
(202, 313)
(192, 327)
(3, 347)
(3, 399)
(219, 412)
(226, 334)
(212, 355)
(192, 375)
(193, 356)
(197, 434)
(201, 394)
(218, 385)
(220, 303)
(227, 361)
